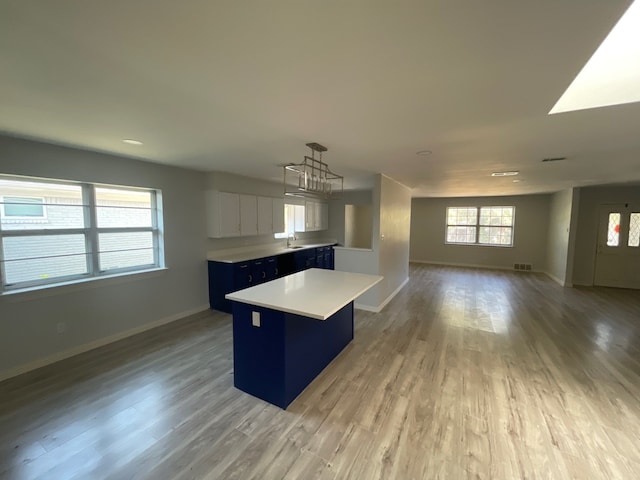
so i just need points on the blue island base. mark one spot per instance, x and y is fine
(278, 359)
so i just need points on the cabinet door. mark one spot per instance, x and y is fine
(223, 214)
(311, 216)
(265, 215)
(278, 215)
(323, 216)
(243, 276)
(271, 268)
(248, 215)
(258, 271)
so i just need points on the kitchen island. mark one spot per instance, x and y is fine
(285, 332)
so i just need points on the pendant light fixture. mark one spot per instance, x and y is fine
(312, 177)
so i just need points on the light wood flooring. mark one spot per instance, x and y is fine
(465, 374)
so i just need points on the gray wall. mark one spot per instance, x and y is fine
(106, 308)
(428, 228)
(558, 254)
(587, 229)
(395, 224)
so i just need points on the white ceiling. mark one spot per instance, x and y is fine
(241, 86)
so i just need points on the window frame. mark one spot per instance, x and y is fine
(477, 225)
(90, 230)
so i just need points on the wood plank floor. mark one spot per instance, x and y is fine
(466, 374)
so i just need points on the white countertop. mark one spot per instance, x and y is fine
(315, 293)
(251, 253)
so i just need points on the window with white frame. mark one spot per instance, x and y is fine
(57, 231)
(486, 225)
(294, 220)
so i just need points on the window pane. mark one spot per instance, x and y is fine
(42, 257)
(496, 216)
(118, 208)
(634, 230)
(124, 250)
(30, 205)
(461, 234)
(495, 235)
(613, 230)
(462, 216)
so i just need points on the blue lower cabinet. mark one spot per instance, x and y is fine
(230, 277)
(226, 278)
(320, 257)
(258, 271)
(271, 268)
(278, 359)
(329, 259)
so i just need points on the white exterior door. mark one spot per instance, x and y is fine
(618, 249)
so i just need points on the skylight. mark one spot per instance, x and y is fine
(612, 74)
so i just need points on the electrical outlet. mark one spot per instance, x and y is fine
(61, 327)
(255, 319)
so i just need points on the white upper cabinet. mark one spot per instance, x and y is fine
(265, 215)
(223, 214)
(239, 215)
(248, 215)
(278, 215)
(316, 216)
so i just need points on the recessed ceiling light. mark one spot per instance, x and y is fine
(505, 174)
(516, 181)
(130, 141)
(424, 153)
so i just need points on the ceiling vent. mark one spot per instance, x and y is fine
(554, 159)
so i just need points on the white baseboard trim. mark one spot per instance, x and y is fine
(56, 357)
(554, 278)
(378, 309)
(473, 265)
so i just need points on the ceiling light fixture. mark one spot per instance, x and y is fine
(312, 177)
(505, 174)
(516, 181)
(130, 141)
(424, 153)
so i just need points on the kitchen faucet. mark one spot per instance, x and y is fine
(291, 236)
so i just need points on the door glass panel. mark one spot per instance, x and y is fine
(613, 231)
(634, 230)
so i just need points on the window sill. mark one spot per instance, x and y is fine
(41, 291)
(478, 245)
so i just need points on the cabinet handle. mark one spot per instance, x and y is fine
(276, 270)
(264, 275)
(250, 278)
(244, 266)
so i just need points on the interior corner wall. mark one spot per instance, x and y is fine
(393, 237)
(106, 308)
(558, 236)
(428, 233)
(587, 226)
